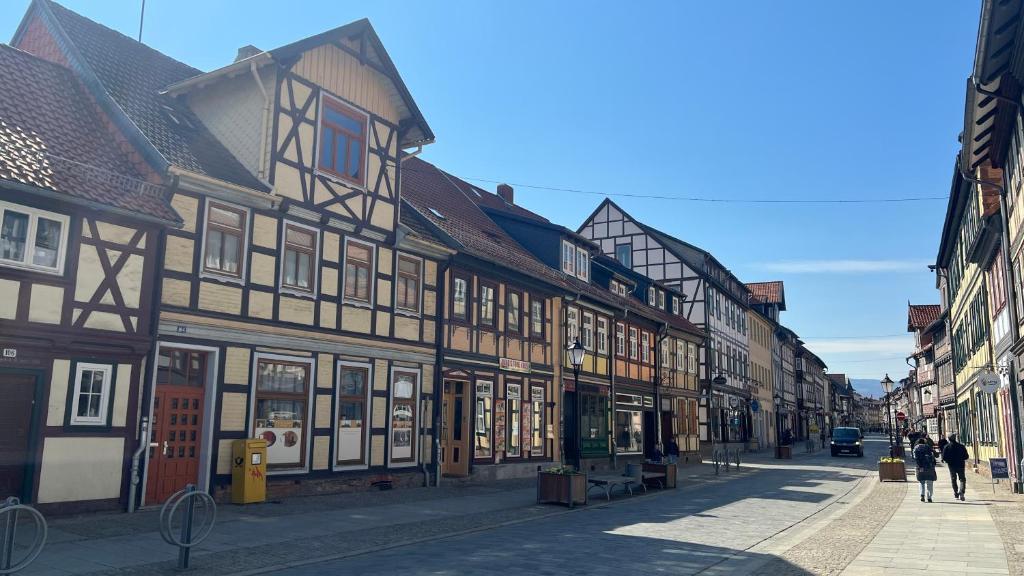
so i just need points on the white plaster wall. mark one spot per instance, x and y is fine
(80, 469)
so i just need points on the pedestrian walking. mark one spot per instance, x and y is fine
(926, 476)
(942, 445)
(672, 450)
(955, 456)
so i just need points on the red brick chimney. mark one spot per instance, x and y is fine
(506, 193)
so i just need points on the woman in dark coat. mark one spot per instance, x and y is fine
(925, 459)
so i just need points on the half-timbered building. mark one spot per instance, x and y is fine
(715, 301)
(81, 226)
(500, 350)
(294, 303)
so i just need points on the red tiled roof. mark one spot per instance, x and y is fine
(52, 136)
(767, 292)
(921, 315)
(132, 74)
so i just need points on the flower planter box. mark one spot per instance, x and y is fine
(568, 489)
(785, 452)
(669, 470)
(892, 471)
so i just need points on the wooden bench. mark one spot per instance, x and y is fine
(607, 483)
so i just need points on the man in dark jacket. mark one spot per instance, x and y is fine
(955, 456)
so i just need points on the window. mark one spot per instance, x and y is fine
(675, 305)
(568, 258)
(404, 392)
(353, 389)
(582, 264)
(666, 353)
(407, 284)
(224, 250)
(602, 335)
(514, 312)
(482, 446)
(624, 254)
(181, 367)
(588, 331)
(571, 325)
(645, 347)
(32, 238)
(486, 305)
(358, 271)
(538, 429)
(629, 419)
(633, 343)
(661, 300)
(536, 317)
(651, 297)
(681, 358)
(282, 397)
(513, 393)
(459, 291)
(620, 339)
(298, 269)
(342, 141)
(91, 397)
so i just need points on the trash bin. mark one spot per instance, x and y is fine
(248, 471)
(786, 452)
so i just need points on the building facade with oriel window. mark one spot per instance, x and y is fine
(81, 222)
(294, 304)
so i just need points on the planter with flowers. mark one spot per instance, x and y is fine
(892, 469)
(561, 485)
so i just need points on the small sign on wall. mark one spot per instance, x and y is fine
(10, 352)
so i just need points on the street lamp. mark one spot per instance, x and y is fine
(718, 381)
(778, 425)
(887, 386)
(574, 354)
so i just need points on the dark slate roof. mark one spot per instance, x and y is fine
(132, 74)
(767, 293)
(417, 226)
(53, 137)
(919, 316)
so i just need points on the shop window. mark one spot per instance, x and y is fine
(407, 284)
(587, 331)
(602, 335)
(299, 261)
(404, 391)
(538, 429)
(486, 305)
(459, 292)
(629, 420)
(594, 424)
(513, 311)
(513, 395)
(224, 249)
(358, 271)
(90, 399)
(482, 445)
(536, 317)
(352, 401)
(32, 239)
(282, 397)
(342, 141)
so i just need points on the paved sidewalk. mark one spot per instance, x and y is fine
(943, 538)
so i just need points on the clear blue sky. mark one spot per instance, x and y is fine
(801, 100)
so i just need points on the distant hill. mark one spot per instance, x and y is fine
(867, 387)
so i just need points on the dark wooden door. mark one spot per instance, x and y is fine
(18, 394)
(454, 439)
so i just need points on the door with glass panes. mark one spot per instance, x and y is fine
(177, 422)
(455, 454)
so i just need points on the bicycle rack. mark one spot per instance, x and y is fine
(190, 533)
(9, 512)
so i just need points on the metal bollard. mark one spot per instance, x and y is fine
(10, 509)
(737, 459)
(189, 535)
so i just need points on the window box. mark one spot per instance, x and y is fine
(892, 470)
(560, 486)
(669, 470)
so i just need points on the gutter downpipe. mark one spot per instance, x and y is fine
(659, 367)
(1011, 303)
(136, 457)
(438, 376)
(262, 173)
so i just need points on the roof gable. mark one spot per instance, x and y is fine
(919, 316)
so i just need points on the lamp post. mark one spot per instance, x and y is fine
(778, 425)
(718, 381)
(575, 353)
(927, 394)
(887, 386)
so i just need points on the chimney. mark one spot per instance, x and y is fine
(247, 51)
(506, 193)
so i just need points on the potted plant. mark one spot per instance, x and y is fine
(562, 485)
(892, 469)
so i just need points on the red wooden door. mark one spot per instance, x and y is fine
(177, 423)
(18, 392)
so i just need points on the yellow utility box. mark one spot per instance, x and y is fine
(248, 471)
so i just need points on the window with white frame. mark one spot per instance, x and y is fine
(620, 339)
(624, 254)
(666, 353)
(538, 428)
(661, 300)
(582, 264)
(681, 355)
(602, 335)
(645, 347)
(691, 358)
(572, 325)
(568, 257)
(675, 305)
(587, 331)
(224, 247)
(536, 317)
(299, 258)
(651, 296)
(90, 398)
(32, 239)
(633, 344)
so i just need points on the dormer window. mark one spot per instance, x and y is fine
(568, 258)
(582, 264)
(675, 305)
(342, 141)
(651, 296)
(661, 300)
